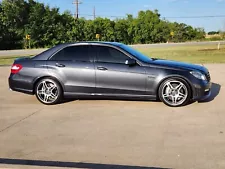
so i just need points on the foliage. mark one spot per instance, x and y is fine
(213, 32)
(48, 27)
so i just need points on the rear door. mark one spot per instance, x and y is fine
(74, 66)
(114, 77)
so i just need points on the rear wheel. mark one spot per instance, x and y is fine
(48, 91)
(174, 92)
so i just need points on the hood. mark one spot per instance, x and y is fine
(180, 65)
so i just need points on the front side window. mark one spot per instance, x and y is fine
(135, 53)
(107, 54)
(73, 53)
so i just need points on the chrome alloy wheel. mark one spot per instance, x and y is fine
(174, 93)
(47, 91)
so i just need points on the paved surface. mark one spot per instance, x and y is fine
(101, 134)
(7, 53)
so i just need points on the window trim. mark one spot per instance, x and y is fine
(116, 48)
(72, 45)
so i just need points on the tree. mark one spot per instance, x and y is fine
(213, 32)
(47, 27)
(14, 16)
(104, 27)
(121, 31)
(149, 28)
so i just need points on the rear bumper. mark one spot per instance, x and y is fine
(16, 83)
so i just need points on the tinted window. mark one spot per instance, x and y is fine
(110, 55)
(135, 53)
(73, 53)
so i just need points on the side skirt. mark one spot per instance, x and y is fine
(109, 96)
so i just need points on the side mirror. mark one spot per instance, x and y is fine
(130, 62)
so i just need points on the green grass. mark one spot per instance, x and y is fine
(192, 54)
(8, 60)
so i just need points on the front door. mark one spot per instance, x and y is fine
(114, 77)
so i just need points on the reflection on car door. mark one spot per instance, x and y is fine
(74, 66)
(114, 77)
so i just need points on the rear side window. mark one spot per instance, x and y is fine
(110, 55)
(73, 53)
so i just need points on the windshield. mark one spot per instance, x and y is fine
(135, 53)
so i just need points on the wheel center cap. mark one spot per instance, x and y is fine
(173, 93)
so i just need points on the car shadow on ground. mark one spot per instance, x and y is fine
(41, 163)
(215, 90)
(92, 98)
(110, 99)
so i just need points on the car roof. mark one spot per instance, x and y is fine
(44, 55)
(91, 42)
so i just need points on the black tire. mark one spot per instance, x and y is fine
(57, 89)
(186, 89)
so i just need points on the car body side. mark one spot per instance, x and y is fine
(152, 73)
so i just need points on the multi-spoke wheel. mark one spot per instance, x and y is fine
(174, 92)
(48, 91)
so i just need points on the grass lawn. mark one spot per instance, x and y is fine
(8, 60)
(192, 54)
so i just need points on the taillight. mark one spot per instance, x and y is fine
(16, 68)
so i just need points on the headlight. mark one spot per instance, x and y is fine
(198, 75)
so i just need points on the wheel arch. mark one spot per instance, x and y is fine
(174, 76)
(50, 77)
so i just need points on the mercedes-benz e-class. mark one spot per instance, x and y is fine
(109, 70)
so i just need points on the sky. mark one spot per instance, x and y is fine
(167, 8)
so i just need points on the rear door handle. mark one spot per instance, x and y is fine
(60, 65)
(102, 68)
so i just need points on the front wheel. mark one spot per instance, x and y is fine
(174, 92)
(48, 91)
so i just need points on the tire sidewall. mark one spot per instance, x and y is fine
(176, 79)
(58, 87)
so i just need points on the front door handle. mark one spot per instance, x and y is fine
(60, 65)
(102, 68)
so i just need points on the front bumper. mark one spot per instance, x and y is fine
(202, 91)
(205, 97)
